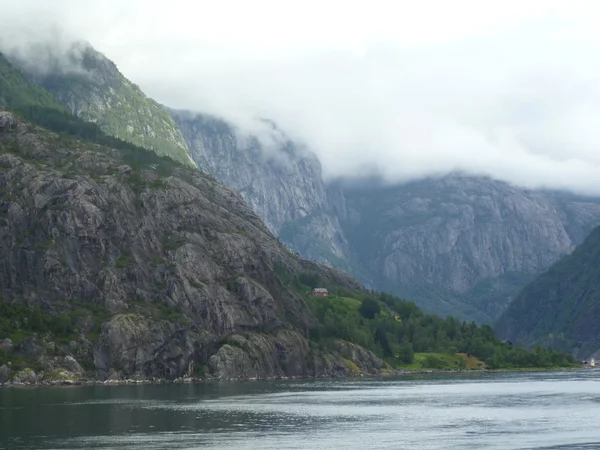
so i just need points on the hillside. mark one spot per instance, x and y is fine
(457, 245)
(561, 307)
(116, 263)
(101, 250)
(90, 86)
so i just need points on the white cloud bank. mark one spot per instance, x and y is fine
(407, 89)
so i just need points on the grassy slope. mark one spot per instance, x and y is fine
(446, 361)
(406, 337)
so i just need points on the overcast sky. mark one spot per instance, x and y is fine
(509, 89)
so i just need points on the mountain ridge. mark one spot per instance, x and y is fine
(101, 283)
(120, 263)
(437, 241)
(461, 218)
(561, 307)
(94, 90)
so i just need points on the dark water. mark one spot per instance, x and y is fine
(506, 411)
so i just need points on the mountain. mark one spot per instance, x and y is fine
(282, 182)
(561, 307)
(457, 245)
(92, 88)
(18, 93)
(460, 244)
(125, 264)
(117, 264)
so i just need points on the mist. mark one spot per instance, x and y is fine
(510, 91)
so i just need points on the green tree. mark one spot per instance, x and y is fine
(406, 353)
(369, 308)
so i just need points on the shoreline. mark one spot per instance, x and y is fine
(382, 375)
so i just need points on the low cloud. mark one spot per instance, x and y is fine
(511, 92)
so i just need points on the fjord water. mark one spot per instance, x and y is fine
(503, 410)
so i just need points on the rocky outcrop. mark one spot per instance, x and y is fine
(281, 182)
(91, 87)
(147, 271)
(5, 374)
(289, 354)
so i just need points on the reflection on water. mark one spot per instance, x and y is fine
(546, 410)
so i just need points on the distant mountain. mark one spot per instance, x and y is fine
(282, 183)
(457, 245)
(561, 307)
(460, 244)
(90, 86)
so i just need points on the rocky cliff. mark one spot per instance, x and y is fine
(282, 182)
(92, 87)
(561, 307)
(462, 245)
(457, 245)
(120, 264)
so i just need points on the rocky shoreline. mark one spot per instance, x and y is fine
(32, 381)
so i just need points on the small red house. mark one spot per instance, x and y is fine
(320, 291)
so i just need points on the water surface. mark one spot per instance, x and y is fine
(504, 411)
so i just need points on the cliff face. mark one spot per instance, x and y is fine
(282, 183)
(92, 88)
(457, 245)
(561, 307)
(462, 244)
(144, 270)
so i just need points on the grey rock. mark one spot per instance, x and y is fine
(66, 364)
(25, 376)
(462, 244)
(5, 373)
(69, 363)
(171, 265)
(288, 354)
(457, 244)
(7, 121)
(282, 182)
(30, 348)
(6, 345)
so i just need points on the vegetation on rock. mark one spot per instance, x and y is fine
(96, 92)
(396, 330)
(125, 264)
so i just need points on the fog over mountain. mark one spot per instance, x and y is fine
(510, 91)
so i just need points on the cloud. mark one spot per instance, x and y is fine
(507, 89)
